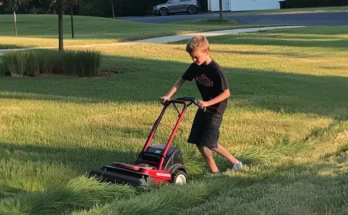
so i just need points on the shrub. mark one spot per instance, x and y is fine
(50, 62)
(33, 63)
(81, 63)
(14, 62)
(2, 70)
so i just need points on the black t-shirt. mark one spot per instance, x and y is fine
(211, 82)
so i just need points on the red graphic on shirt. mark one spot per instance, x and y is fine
(204, 80)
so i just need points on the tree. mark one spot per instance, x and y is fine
(14, 5)
(60, 8)
(72, 3)
(220, 7)
(60, 11)
(113, 8)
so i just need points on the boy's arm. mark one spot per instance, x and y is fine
(171, 92)
(224, 95)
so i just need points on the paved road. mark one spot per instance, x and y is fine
(306, 19)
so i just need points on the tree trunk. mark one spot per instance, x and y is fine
(113, 8)
(220, 7)
(15, 23)
(60, 24)
(72, 21)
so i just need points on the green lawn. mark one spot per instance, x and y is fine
(287, 119)
(41, 30)
(295, 10)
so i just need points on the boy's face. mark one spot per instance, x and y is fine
(199, 57)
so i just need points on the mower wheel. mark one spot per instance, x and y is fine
(179, 177)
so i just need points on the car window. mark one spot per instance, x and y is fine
(173, 2)
(185, 0)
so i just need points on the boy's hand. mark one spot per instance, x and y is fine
(202, 104)
(164, 99)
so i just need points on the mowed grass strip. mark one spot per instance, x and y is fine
(294, 10)
(287, 120)
(41, 30)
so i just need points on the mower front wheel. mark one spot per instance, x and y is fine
(179, 177)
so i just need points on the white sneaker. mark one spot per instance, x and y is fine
(237, 166)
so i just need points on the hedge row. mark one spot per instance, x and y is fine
(34, 63)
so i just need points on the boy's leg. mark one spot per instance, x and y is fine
(223, 152)
(208, 157)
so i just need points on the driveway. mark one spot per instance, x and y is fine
(306, 19)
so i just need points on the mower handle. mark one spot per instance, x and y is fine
(185, 101)
(191, 100)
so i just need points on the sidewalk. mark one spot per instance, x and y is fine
(162, 40)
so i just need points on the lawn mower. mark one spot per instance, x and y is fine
(156, 163)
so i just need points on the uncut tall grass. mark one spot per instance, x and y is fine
(38, 62)
(286, 119)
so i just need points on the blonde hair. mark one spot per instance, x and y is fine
(197, 43)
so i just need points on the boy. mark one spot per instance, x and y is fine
(213, 87)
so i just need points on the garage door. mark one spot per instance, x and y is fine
(244, 5)
(214, 5)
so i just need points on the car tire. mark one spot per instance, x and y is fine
(192, 9)
(163, 11)
(179, 177)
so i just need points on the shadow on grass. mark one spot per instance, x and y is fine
(279, 92)
(78, 158)
(316, 37)
(307, 185)
(315, 31)
(278, 54)
(76, 161)
(279, 40)
(312, 37)
(10, 46)
(8, 191)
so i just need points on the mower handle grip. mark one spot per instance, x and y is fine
(191, 100)
(188, 99)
